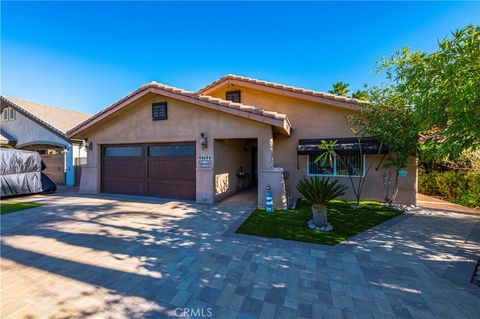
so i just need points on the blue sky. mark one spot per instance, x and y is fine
(87, 55)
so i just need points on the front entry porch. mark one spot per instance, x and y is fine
(238, 164)
(235, 167)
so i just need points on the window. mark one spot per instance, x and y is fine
(172, 150)
(123, 151)
(8, 114)
(159, 111)
(233, 96)
(342, 165)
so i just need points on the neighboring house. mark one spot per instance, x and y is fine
(168, 142)
(42, 128)
(5, 139)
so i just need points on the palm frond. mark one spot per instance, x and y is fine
(319, 191)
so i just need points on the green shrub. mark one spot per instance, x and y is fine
(459, 187)
(469, 199)
(427, 183)
(451, 184)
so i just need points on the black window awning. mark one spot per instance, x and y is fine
(344, 145)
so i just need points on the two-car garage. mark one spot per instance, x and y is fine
(164, 170)
(198, 152)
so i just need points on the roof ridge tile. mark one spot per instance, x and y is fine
(284, 87)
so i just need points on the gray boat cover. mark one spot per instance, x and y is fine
(20, 172)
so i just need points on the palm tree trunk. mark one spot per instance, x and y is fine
(319, 215)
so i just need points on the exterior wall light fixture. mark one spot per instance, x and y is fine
(87, 146)
(203, 141)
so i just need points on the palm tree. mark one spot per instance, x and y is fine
(340, 88)
(319, 192)
(360, 95)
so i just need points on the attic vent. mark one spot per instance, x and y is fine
(159, 111)
(233, 96)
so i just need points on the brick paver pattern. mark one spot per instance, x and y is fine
(123, 257)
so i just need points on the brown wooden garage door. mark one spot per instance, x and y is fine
(164, 170)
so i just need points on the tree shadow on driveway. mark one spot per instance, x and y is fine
(120, 258)
(143, 254)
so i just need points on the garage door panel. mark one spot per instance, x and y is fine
(124, 169)
(164, 170)
(124, 187)
(172, 189)
(171, 150)
(171, 168)
(123, 151)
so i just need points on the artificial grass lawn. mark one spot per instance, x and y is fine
(16, 206)
(292, 224)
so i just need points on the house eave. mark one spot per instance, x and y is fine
(281, 122)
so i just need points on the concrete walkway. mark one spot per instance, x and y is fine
(426, 201)
(127, 257)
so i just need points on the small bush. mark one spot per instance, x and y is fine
(459, 187)
(469, 199)
(427, 183)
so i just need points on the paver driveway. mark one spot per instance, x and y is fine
(116, 257)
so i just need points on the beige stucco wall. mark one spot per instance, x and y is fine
(232, 155)
(316, 120)
(133, 124)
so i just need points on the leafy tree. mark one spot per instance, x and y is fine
(340, 88)
(467, 161)
(389, 119)
(442, 89)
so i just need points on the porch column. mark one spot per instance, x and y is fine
(205, 188)
(269, 175)
(90, 178)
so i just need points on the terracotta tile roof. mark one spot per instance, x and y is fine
(60, 119)
(289, 88)
(239, 109)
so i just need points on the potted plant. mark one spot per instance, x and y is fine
(319, 192)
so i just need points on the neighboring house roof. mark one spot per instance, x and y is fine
(283, 89)
(60, 119)
(238, 109)
(6, 139)
(432, 134)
